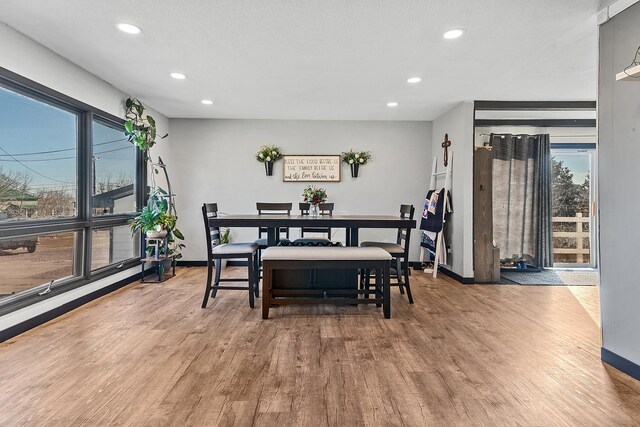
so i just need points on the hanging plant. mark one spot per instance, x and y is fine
(140, 129)
(354, 159)
(268, 154)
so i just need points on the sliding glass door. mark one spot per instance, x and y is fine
(574, 208)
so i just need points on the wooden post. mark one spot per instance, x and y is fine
(579, 257)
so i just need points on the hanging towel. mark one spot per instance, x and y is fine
(432, 219)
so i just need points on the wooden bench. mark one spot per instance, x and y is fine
(292, 258)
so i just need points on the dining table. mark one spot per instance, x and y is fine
(325, 281)
(352, 223)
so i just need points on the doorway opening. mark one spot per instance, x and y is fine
(573, 207)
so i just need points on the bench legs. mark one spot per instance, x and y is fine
(382, 289)
(266, 288)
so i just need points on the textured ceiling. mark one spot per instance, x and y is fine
(331, 59)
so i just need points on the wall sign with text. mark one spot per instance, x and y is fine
(311, 168)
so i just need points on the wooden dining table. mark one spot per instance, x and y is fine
(325, 281)
(352, 223)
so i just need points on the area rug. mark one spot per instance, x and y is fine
(553, 277)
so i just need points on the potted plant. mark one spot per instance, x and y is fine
(156, 222)
(268, 154)
(354, 159)
(314, 196)
(225, 234)
(158, 217)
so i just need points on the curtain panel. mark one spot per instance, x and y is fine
(522, 224)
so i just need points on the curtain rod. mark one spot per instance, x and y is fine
(550, 136)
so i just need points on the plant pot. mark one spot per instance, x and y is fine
(268, 168)
(354, 170)
(314, 211)
(154, 234)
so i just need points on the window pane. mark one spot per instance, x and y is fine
(27, 262)
(112, 245)
(114, 171)
(37, 159)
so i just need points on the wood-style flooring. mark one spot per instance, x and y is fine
(461, 355)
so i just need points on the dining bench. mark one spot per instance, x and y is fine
(277, 258)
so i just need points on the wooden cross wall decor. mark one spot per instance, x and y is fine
(445, 145)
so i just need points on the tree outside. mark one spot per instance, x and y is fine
(569, 199)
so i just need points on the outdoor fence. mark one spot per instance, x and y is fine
(580, 235)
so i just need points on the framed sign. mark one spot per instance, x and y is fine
(311, 168)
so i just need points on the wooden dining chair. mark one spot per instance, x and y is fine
(265, 208)
(400, 253)
(324, 209)
(216, 252)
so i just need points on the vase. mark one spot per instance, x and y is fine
(268, 168)
(354, 170)
(313, 210)
(154, 234)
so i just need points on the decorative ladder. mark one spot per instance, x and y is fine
(435, 174)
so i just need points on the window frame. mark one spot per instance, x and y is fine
(84, 222)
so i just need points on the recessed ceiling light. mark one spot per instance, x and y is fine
(129, 28)
(207, 101)
(414, 80)
(392, 104)
(179, 76)
(454, 34)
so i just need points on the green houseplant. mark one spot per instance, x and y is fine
(158, 217)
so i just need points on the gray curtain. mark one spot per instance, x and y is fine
(522, 197)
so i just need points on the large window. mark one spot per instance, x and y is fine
(30, 261)
(69, 184)
(113, 167)
(38, 157)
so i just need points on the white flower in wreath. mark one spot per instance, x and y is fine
(350, 161)
(361, 160)
(268, 159)
(260, 155)
(357, 155)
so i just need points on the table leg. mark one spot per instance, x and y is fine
(272, 236)
(352, 237)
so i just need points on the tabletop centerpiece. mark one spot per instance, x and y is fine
(314, 196)
(354, 159)
(268, 154)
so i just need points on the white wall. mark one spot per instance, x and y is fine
(213, 161)
(619, 153)
(458, 123)
(33, 61)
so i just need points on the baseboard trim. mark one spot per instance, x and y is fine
(230, 263)
(456, 276)
(620, 363)
(38, 320)
(191, 263)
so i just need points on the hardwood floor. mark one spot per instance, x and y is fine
(461, 355)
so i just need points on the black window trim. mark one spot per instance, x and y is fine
(84, 222)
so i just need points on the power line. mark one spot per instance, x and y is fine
(62, 158)
(60, 150)
(32, 170)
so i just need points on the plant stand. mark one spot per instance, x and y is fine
(157, 259)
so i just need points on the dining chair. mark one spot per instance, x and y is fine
(324, 209)
(216, 252)
(400, 253)
(272, 209)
